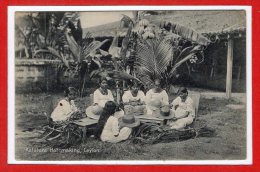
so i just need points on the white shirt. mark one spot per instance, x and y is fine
(112, 133)
(63, 110)
(183, 107)
(128, 97)
(162, 96)
(151, 96)
(101, 99)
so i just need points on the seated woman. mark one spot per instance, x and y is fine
(101, 96)
(66, 108)
(184, 112)
(155, 98)
(111, 129)
(134, 98)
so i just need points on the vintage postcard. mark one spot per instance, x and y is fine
(129, 85)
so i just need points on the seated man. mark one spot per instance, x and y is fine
(184, 112)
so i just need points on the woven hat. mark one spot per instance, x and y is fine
(94, 112)
(129, 121)
(165, 113)
(134, 110)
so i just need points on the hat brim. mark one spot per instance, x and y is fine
(137, 113)
(170, 116)
(90, 114)
(135, 124)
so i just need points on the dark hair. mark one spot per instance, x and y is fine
(133, 83)
(69, 90)
(182, 90)
(102, 79)
(108, 111)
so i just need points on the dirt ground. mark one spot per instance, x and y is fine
(219, 113)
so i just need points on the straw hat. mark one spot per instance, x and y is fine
(129, 121)
(94, 112)
(134, 110)
(165, 113)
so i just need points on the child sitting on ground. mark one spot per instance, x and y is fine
(183, 109)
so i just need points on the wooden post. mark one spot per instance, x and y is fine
(229, 67)
(118, 97)
(239, 73)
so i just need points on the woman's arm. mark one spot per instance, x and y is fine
(115, 126)
(183, 116)
(148, 97)
(142, 97)
(190, 107)
(96, 97)
(165, 97)
(175, 103)
(125, 97)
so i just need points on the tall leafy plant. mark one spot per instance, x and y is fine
(159, 57)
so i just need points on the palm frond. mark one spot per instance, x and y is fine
(125, 44)
(74, 47)
(126, 21)
(189, 34)
(144, 76)
(185, 56)
(154, 55)
(91, 48)
(88, 35)
(54, 53)
(135, 14)
(113, 44)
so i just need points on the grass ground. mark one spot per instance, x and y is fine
(229, 142)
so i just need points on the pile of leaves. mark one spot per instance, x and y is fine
(150, 133)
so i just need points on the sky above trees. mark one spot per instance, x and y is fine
(90, 19)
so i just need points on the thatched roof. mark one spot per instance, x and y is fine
(202, 21)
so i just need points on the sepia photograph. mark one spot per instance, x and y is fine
(141, 85)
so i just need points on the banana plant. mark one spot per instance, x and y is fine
(79, 49)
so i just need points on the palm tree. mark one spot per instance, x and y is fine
(158, 50)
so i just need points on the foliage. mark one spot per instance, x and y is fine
(153, 57)
(161, 50)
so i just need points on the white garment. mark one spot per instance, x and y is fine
(128, 97)
(101, 99)
(151, 96)
(63, 110)
(181, 123)
(111, 132)
(184, 109)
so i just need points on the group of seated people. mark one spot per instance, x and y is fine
(115, 124)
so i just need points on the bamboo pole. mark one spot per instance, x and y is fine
(229, 67)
